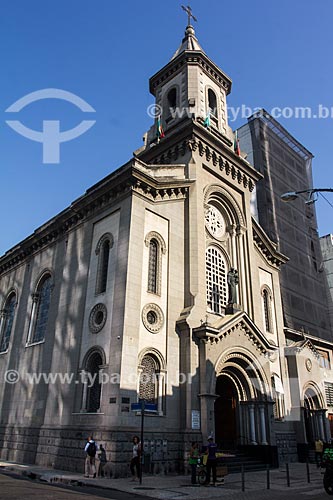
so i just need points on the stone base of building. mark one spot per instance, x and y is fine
(63, 449)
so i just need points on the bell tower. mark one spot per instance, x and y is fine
(191, 86)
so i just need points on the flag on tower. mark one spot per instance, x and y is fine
(160, 131)
(207, 120)
(236, 144)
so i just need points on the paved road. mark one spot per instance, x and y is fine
(13, 487)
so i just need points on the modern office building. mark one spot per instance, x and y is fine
(286, 166)
(326, 244)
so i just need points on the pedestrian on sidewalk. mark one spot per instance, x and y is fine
(90, 451)
(136, 457)
(193, 461)
(211, 460)
(319, 448)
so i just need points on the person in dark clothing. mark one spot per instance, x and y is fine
(136, 457)
(211, 460)
(90, 451)
(102, 461)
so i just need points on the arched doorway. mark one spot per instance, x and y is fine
(242, 411)
(313, 415)
(225, 410)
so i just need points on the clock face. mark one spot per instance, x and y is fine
(214, 222)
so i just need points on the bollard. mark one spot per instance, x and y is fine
(243, 478)
(308, 471)
(268, 478)
(288, 476)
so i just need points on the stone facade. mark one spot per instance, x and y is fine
(125, 296)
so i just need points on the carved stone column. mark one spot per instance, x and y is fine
(252, 424)
(207, 399)
(320, 420)
(160, 393)
(242, 272)
(262, 424)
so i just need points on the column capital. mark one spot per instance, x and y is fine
(35, 297)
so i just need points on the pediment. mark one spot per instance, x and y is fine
(299, 347)
(237, 322)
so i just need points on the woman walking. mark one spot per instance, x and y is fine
(135, 461)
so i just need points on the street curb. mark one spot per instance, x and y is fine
(54, 478)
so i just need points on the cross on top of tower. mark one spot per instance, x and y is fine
(188, 11)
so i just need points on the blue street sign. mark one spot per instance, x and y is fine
(148, 407)
(136, 406)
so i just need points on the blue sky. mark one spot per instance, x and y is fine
(277, 53)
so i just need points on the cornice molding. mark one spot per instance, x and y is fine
(300, 346)
(190, 57)
(266, 247)
(130, 178)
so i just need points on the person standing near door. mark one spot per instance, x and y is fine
(211, 460)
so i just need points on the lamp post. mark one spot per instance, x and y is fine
(292, 195)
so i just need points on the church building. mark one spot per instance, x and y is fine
(158, 284)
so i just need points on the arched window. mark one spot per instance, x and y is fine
(216, 280)
(156, 248)
(153, 266)
(103, 251)
(172, 100)
(267, 306)
(40, 310)
(212, 103)
(93, 385)
(149, 379)
(7, 319)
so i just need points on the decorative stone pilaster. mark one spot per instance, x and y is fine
(262, 424)
(252, 424)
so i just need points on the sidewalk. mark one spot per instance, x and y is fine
(175, 486)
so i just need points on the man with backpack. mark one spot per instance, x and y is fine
(90, 451)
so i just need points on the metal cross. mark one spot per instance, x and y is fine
(188, 11)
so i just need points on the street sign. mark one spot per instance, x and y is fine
(143, 407)
(150, 407)
(147, 407)
(136, 406)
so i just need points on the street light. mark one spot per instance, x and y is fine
(292, 195)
